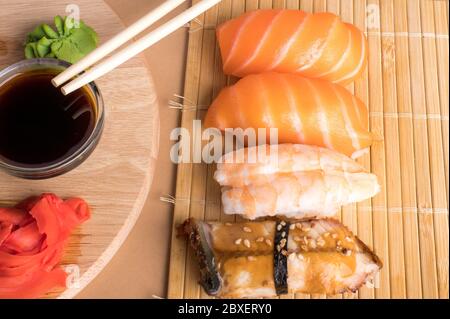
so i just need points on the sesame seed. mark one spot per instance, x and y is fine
(348, 239)
(247, 229)
(283, 234)
(298, 225)
(305, 239)
(228, 224)
(306, 229)
(284, 252)
(278, 248)
(296, 238)
(283, 242)
(300, 257)
(304, 247)
(251, 258)
(339, 243)
(292, 227)
(260, 239)
(279, 227)
(247, 243)
(238, 241)
(219, 265)
(283, 223)
(334, 236)
(326, 234)
(348, 252)
(269, 242)
(312, 243)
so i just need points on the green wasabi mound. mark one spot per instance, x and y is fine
(68, 41)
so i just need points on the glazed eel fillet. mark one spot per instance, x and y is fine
(268, 258)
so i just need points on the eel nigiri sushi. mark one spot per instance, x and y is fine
(297, 181)
(269, 258)
(305, 111)
(315, 45)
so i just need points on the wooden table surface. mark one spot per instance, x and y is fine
(140, 268)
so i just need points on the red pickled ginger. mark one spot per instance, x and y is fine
(32, 239)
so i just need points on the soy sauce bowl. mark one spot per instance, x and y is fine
(78, 154)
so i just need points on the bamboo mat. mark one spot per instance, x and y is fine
(406, 88)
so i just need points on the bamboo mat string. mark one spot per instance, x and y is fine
(182, 103)
(363, 209)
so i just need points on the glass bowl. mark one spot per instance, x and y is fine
(71, 160)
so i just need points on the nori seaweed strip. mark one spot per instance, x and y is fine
(280, 271)
(209, 275)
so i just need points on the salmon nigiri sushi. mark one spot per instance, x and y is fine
(315, 45)
(305, 111)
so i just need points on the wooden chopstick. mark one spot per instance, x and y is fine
(135, 48)
(117, 41)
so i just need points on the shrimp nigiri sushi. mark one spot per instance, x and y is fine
(315, 45)
(297, 181)
(305, 111)
(268, 258)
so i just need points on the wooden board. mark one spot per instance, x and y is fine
(406, 90)
(116, 178)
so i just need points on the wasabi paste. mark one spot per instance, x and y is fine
(68, 41)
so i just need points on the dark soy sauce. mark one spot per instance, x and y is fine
(38, 124)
